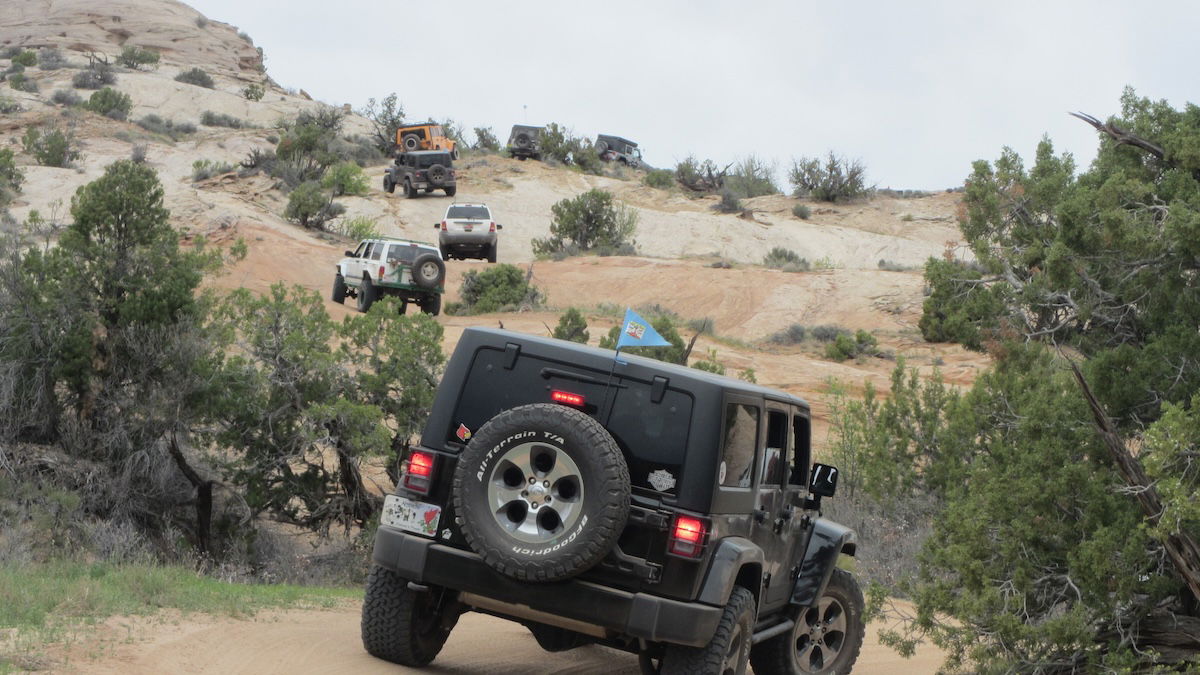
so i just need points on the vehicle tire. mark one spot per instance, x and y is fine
(432, 305)
(411, 142)
(445, 252)
(454, 153)
(826, 638)
(367, 294)
(339, 289)
(410, 192)
(543, 509)
(521, 158)
(451, 190)
(401, 625)
(428, 190)
(388, 186)
(729, 649)
(491, 253)
(437, 174)
(600, 147)
(428, 271)
(523, 140)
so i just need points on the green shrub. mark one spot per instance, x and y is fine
(8, 106)
(357, 228)
(136, 58)
(254, 92)
(155, 124)
(801, 211)
(203, 169)
(212, 119)
(891, 266)
(345, 178)
(66, 97)
(497, 288)
(11, 177)
(780, 258)
(486, 140)
(845, 347)
(830, 180)
(196, 77)
(20, 82)
(752, 177)
(311, 206)
(94, 77)
(662, 179)
(729, 203)
(572, 326)
(748, 376)
(51, 59)
(591, 220)
(51, 146)
(827, 333)
(793, 334)
(709, 363)
(27, 58)
(110, 102)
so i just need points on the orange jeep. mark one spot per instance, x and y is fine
(415, 137)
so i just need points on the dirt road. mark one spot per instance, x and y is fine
(327, 641)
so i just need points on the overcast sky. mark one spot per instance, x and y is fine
(917, 90)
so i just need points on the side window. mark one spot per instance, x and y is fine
(800, 451)
(773, 458)
(358, 252)
(366, 253)
(378, 252)
(741, 436)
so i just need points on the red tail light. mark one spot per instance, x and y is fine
(688, 537)
(443, 226)
(382, 271)
(492, 227)
(567, 398)
(418, 474)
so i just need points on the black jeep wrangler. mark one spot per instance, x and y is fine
(424, 170)
(627, 502)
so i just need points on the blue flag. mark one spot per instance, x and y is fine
(637, 332)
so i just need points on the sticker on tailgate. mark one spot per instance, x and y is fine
(411, 516)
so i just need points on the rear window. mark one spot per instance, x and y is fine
(426, 161)
(468, 213)
(741, 436)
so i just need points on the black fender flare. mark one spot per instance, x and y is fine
(735, 559)
(828, 541)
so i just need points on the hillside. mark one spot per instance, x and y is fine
(678, 237)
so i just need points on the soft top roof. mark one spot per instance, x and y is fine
(629, 364)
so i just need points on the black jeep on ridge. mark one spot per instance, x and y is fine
(626, 502)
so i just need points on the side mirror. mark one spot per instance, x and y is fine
(499, 226)
(437, 226)
(349, 254)
(824, 480)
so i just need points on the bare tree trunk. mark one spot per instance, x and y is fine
(203, 497)
(363, 504)
(1181, 547)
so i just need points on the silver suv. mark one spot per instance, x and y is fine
(468, 231)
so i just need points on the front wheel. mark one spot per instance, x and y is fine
(826, 638)
(491, 253)
(339, 289)
(729, 649)
(450, 191)
(410, 192)
(401, 625)
(388, 186)
(432, 305)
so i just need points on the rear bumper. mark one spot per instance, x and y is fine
(467, 239)
(639, 615)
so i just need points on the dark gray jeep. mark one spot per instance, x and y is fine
(631, 503)
(523, 142)
(421, 171)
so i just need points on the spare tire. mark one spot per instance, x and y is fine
(523, 140)
(601, 146)
(541, 492)
(428, 271)
(438, 174)
(411, 142)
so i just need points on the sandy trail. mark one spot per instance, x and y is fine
(327, 641)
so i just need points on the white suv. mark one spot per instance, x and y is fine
(468, 231)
